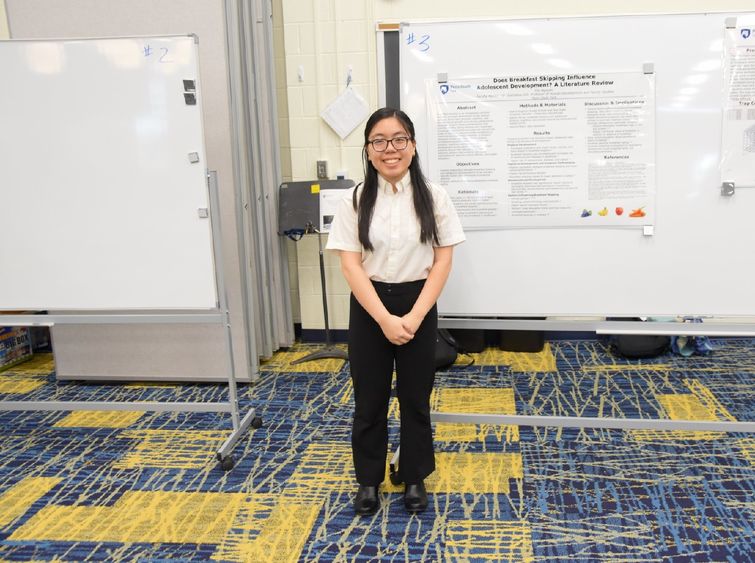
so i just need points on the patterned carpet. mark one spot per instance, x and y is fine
(123, 486)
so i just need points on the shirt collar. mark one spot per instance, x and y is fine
(403, 184)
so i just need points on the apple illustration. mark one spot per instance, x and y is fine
(619, 210)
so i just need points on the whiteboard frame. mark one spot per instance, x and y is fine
(717, 328)
(149, 289)
(456, 315)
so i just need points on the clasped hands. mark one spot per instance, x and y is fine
(400, 330)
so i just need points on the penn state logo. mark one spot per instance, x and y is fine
(444, 89)
(746, 33)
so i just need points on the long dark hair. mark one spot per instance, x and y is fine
(423, 198)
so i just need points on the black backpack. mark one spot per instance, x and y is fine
(446, 349)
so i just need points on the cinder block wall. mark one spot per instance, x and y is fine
(310, 291)
(323, 41)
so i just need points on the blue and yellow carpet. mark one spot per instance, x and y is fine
(123, 486)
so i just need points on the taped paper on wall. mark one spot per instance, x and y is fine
(346, 112)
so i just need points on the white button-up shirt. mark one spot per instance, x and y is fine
(398, 255)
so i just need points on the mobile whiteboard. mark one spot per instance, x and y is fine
(103, 197)
(699, 259)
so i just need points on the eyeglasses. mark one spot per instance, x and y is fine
(381, 145)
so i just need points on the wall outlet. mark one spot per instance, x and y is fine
(322, 169)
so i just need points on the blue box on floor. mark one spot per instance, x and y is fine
(15, 346)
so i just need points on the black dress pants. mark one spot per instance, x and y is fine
(371, 358)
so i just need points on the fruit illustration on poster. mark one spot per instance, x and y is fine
(640, 212)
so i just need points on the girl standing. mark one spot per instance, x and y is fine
(395, 234)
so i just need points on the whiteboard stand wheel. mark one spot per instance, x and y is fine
(256, 422)
(227, 463)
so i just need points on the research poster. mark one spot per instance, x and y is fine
(546, 150)
(738, 128)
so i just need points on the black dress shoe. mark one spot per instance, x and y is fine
(415, 497)
(366, 501)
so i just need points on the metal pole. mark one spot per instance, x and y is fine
(328, 340)
(330, 351)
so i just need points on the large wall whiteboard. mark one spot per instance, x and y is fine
(99, 199)
(700, 259)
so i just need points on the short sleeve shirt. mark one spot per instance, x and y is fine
(398, 254)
